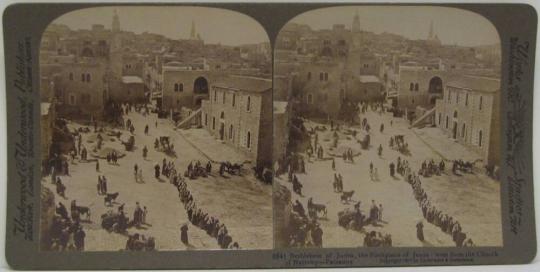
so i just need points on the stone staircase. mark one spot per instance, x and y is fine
(193, 119)
(420, 121)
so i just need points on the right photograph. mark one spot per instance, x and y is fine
(387, 129)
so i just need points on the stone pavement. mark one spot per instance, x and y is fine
(444, 146)
(212, 148)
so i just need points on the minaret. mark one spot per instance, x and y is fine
(430, 35)
(115, 48)
(356, 23)
(115, 22)
(193, 34)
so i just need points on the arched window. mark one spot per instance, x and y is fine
(233, 99)
(440, 118)
(321, 76)
(455, 114)
(416, 87)
(224, 95)
(449, 96)
(215, 95)
(176, 87)
(248, 106)
(213, 123)
(325, 76)
(463, 131)
(87, 77)
(70, 76)
(466, 99)
(231, 132)
(222, 116)
(446, 122)
(480, 138)
(309, 75)
(411, 87)
(181, 87)
(248, 140)
(457, 98)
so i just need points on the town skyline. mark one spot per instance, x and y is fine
(173, 23)
(461, 27)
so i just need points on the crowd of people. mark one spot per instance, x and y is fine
(211, 225)
(66, 232)
(303, 231)
(431, 168)
(431, 213)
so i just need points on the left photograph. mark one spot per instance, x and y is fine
(156, 130)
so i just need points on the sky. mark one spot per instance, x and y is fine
(453, 26)
(214, 25)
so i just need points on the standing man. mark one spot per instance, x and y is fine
(79, 236)
(145, 152)
(156, 171)
(184, 234)
(420, 231)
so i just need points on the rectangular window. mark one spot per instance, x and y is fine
(480, 104)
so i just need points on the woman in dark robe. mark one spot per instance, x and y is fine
(184, 234)
(420, 231)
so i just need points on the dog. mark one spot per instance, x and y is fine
(346, 196)
(110, 198)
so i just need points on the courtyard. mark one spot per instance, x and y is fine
(241, 202)
(471, 198)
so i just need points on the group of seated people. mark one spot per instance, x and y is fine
(65, 233)
(377, 239)
(195, 170)
(430, 168)
(303, 231)
(137, 242)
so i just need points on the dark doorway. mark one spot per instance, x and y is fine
(222, 131)
(198, 102)
(435, 85)
(454, 131)
(200, 86)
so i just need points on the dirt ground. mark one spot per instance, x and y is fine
(473, 199)
(243, 203)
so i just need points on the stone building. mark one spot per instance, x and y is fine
(81, 88)
(185, 85)
(131, 90)
(420, 86)
(365, 88)
(238, 112)
(320, 88)
(469, 113)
